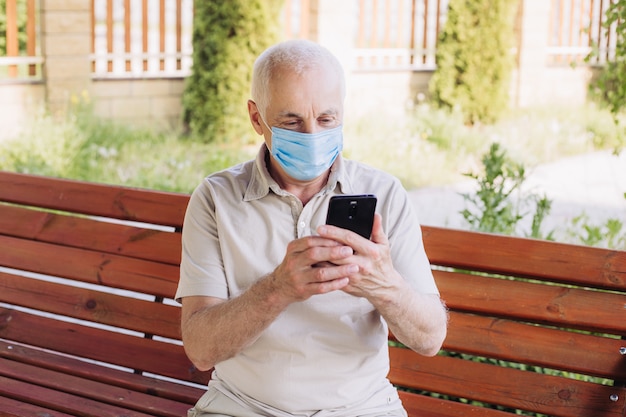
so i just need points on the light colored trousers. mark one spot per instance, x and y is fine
(221, 405)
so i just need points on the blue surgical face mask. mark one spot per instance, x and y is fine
(305, 156)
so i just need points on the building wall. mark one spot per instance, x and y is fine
(67, 72)
(18, 103)
(535, 81)
(142, 102)
(66, 46)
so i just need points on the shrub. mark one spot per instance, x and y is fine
(610, 234)
(610, 86)
(493, 209)
(227, 37)
(84, 147)
(474, 59)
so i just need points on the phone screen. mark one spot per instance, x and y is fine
(352, 212)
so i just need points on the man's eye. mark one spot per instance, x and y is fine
(291, 124)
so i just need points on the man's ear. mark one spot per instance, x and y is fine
(255, 117)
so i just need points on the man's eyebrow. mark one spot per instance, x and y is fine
(289, 114)
(330, 112)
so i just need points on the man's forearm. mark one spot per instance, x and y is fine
(216, 332)
(418, 321)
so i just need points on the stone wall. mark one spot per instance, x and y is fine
(66, 46)
(139, 102)
(18, 103)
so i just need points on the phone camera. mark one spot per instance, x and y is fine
(353, 209)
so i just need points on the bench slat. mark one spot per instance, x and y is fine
(421, 405)
(88, 233)
(99, 345)
(13, 408)
(117, 202)
(95, 306)
(535, 345)
(89, 266)
(570, 264)
(60, 401)
(71, 366)
(549, 304)
(97, 391)
(555, 396)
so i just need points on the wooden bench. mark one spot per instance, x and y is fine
(88, 326)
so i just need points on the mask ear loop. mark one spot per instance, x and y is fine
(271, 133)
(262, 119)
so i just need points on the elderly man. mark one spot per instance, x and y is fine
(294, 314)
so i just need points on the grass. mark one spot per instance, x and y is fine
(428, 147)
(433, 147)
(83, 147)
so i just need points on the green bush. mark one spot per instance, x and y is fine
(610, 86)
(84, 147)
(498, 206)
(474, 59)
(611, 234)
(494, 208)
(227, 37)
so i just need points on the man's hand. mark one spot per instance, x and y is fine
(376, 276)
(417, 320)
(308, 268)
(312, 265)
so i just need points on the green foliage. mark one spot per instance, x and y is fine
(543, 205)
(227, 38)
(493, 209)
(21, 26)
(610, 85)
(474, 59)
(610, 234)
(81, 146)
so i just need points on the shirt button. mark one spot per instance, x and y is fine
(301, 225)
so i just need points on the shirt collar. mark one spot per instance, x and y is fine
(259, 185)
(339, 177)
(261, 182)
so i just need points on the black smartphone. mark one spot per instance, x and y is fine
(352, 212)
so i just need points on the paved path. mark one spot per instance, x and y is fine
(593, 184)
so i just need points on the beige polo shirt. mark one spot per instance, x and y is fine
(330, 351)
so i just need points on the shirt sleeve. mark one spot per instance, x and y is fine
(405, 236)
(202, 266)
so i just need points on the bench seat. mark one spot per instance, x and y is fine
(88, 326)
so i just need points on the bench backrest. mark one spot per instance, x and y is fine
(534, 325)
(86, 259)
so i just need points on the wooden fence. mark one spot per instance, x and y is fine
(141, 38)
(398, 34)
(20, 57)
(152, 38)
(576, 27)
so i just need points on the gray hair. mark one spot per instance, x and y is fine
(298, 56)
